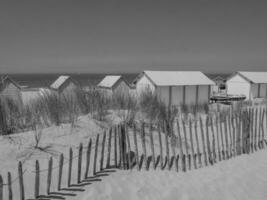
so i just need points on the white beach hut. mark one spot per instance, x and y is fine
(64, 85)
(251, 84)
(176, 87)
(113, 84)
(10, 89)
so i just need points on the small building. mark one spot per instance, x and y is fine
(176, 87)
(251, 84)
(64, 85)
(114, 84)
(10, 89)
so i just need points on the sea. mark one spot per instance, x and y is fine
(45, 80)
(84, 79)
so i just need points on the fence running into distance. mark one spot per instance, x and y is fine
(199, 143)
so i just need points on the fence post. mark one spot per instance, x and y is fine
(226, 137)
(177, 162)
(180, 140)
(173, 145)
(120, 147)
(167, 146)
(136, 147)
(79, 163)
(203, 142)
(152, 146)
(184, 163)
(192, 144)
(60, 169)
(124, 146)
(1, 188)
(198, 149)
(70, 166)
(213, 141)
(88, 156)
(49, 175)
(186, 143)
(37, 179)
(115, 147)
(96, 149)
(9, 183)
(109, 148)
(208, 141)
(128, 153)
(256, 132)
(234, 134)
(252, 131)
(103, 151)
(218, 138)
(21, 183)
(143, 142)
(221, 134)
(160, 147)
(230, 136)
(262, 129)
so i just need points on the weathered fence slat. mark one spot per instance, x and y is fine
(221, 134)
(109, 148)
(262, 129)
(256, 131)
(152, 146)
(9, 184)
(1, 188)
(213, 140)
(259, 129)
(143, 142)
(177, 162)
(230, 135)
(234, 134)
(49, 175)
(226, 137)
(37, 179)
(198, 149)
(208, 141)
(60, 170)
(251, 130)
(95, 157)
(136, 147)
(80, 163)
(115, 146)
(124, 147)
(203, 141)
(167, 147)
(21, 183)
(173, 145)
(70, 167)
(88, 157)
(184, 163)
(218, 138)
(191, 143)
(185, 137)
(103, 151)
(180, 140)
(130, 163)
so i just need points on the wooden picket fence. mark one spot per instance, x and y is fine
(183, 147)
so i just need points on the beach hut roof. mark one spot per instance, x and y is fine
(177, 78)
(59, 82)
(254, 77)
(4, 80)
(109, 81)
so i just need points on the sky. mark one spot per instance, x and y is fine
(54, 36)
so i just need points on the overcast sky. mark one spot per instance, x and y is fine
(130, 36)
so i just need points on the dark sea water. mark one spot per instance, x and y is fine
(44, 80)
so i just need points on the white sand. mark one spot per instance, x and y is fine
(242, 178)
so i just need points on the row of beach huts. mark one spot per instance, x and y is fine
(172, 87)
